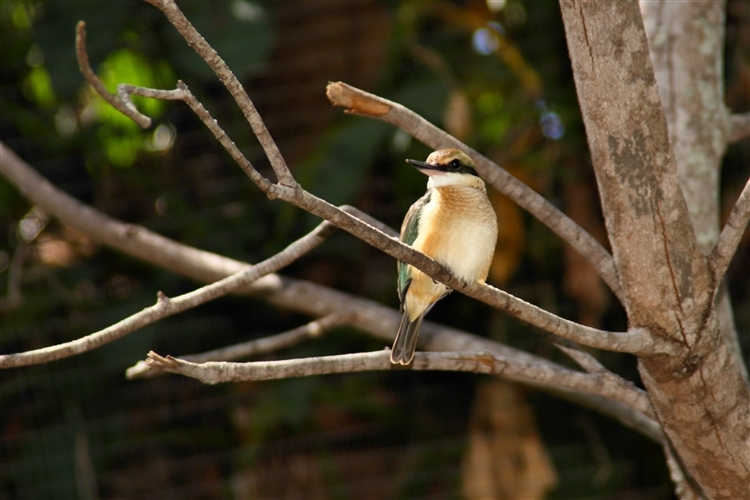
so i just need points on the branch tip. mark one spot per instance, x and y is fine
(356, 101)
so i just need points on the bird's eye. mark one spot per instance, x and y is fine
(455, 164)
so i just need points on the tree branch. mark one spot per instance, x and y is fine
(365, 104)
(232, 84)
(265, 345)
(731, 235)
(483, 362)
(125, 107)
(165, 306)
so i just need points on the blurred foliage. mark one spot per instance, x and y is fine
(493, 73)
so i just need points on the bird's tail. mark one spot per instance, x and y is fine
(406, 340)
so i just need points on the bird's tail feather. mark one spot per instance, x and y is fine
(406, 340)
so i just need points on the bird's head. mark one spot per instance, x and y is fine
(449, 167)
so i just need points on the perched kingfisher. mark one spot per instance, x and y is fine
(454, 224)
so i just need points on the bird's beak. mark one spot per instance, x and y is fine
(425, 168)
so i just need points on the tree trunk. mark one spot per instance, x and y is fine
(698, 390)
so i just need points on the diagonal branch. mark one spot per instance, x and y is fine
(232, 84)
(264, 345)
(365, 104)
(634, 341)
(481, 362)
(731, 235)
(165, 306)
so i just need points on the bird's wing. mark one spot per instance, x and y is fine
(409, 231)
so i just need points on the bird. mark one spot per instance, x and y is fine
(454, 224)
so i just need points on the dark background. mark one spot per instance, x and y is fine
(500, 81)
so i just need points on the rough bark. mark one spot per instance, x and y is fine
(698, 389)
(686, 43)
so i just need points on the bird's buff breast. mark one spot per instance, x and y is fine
(463, 240)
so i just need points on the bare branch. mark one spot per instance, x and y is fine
(740, 127)
(483, 362)
(125, 107)
(264, 345)
(731, 235)
(365, 104)
(232, 84)
(166, 307)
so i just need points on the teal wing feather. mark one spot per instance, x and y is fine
(409, 231)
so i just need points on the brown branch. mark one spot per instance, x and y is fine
(739, 127)
(482, 362)
(265, 345)
(365, 104)
(731, 235)
(165, 306)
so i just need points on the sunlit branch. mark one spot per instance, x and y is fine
(265, 345)
(218, 371)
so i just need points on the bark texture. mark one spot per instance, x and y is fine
(686, 43)
(698, 389)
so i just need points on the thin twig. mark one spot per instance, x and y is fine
(166, 307)
(365, 104)
(215, 372)
(232, 84)
(125, 107)
(731, 235)
(265, 345)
